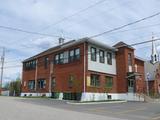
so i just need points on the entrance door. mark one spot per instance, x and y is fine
(131, 85)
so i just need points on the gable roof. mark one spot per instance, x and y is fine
(122, 44)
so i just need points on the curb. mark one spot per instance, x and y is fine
(92, 103)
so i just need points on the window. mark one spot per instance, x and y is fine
(53, 82)
(95, 80)
(70, 81)
(56, 59)
(66, 57)
(41, 83)
(71, 55)
(77, 53)
(109, 58)
(101, 56)
(129, 59)
(46, 61)
(31, 84)
(30, 65)
(130, 83)
(109, 82)
(93, 54)
(61, 58)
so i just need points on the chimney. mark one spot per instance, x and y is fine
(61, 40)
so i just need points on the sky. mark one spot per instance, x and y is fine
(47, 16)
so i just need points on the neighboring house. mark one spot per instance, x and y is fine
(152, 76)
(152, 71)
(84, 70)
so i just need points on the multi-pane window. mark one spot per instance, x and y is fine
(66, 57)
(129, 59)
(93, 54)
(56, 59)
(53, 82)
(95, 80)
(46, 62)
(101, 56)
(30, 65)
(41, 83)
(71, 55)
(130, 83)
(61, 58)
(109, 81)
(31, 84)
(70, 81)
(77, 53)
(109, 58)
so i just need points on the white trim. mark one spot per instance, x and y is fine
(114, 96)
(84, 82)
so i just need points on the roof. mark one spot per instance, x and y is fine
(122, 44)
(72, 43)
(139, 58)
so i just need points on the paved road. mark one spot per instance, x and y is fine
(49, 109)
(14, 109)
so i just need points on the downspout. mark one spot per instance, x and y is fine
(50, 78)
(36, 72)
(84, 74)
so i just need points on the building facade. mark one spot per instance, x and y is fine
(84, 70)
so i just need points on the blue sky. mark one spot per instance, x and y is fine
(35, 15)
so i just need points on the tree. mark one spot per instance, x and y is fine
(15, 87)
(6, 86)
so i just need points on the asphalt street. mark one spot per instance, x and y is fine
(12, 108)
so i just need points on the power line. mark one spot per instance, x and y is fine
(123, 26)
(74, 14)
(137, 28)
(55, 23)
(134, 44)
(29, 32)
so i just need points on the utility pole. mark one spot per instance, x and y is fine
(2, 66)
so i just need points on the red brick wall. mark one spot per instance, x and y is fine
(140, 81)
(122, 68)
(102, 88)
(60, 72)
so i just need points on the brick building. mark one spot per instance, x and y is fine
(84, 70)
